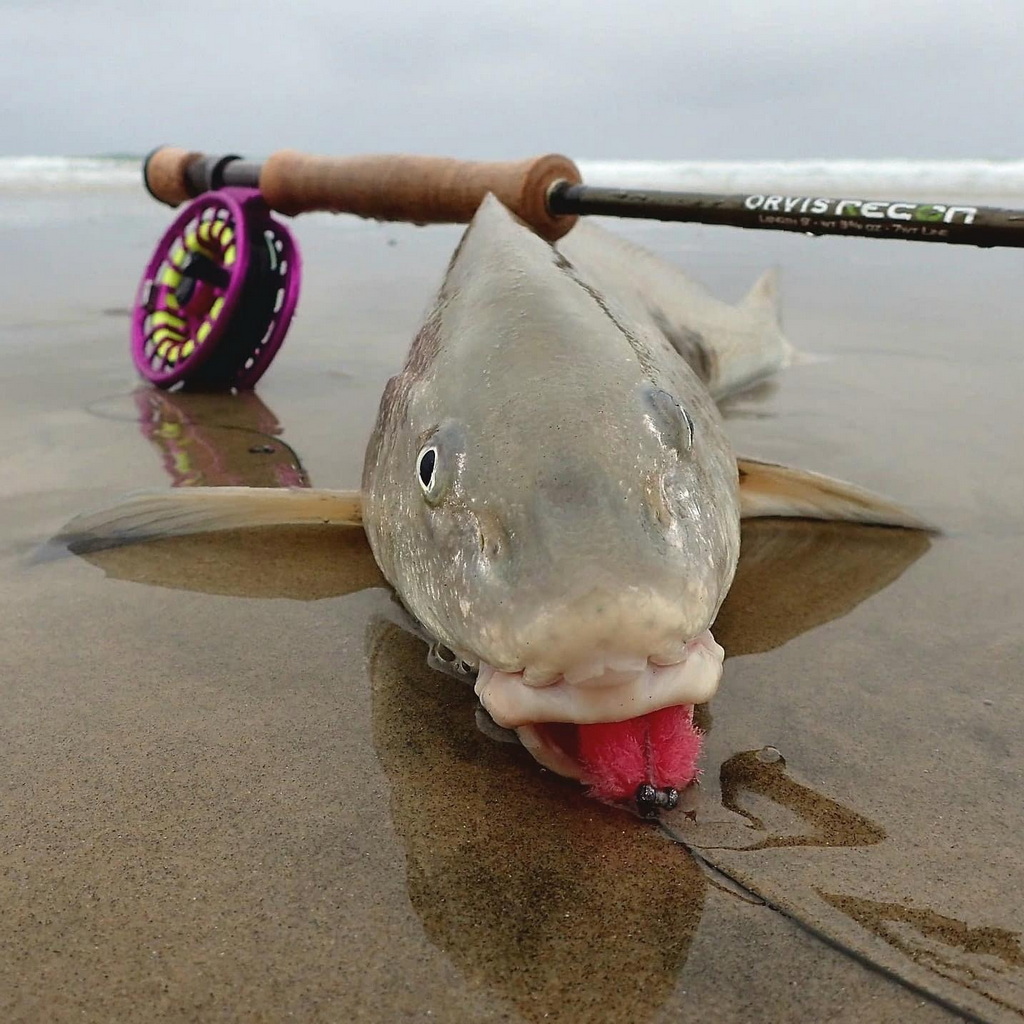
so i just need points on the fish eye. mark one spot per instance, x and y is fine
(439, 460)
(427, 465)
(427, 472)
(673, 421)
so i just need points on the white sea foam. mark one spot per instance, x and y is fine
(893, 179)
(71, 173)
(871, 179)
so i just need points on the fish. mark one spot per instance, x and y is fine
(550, 490)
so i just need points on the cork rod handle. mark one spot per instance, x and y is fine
(419, 189)
(165, 173)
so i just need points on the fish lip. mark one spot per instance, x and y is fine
(512, 703)
(549, 754)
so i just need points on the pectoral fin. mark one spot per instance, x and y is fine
(767, 489)
(186, 510)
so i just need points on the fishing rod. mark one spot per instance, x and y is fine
(219, 292)
(548, 193)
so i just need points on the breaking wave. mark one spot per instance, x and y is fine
(872, 179)
(48, 173)
(895, 179)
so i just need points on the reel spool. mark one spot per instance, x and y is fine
(217, 295)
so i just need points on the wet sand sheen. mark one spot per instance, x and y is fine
(233, 791)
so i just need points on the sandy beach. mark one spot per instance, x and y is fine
(232, 791)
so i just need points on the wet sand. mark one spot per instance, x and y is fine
(232, 790)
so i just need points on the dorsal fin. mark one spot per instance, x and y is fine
(763, 297)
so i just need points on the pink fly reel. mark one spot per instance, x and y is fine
(217, 296)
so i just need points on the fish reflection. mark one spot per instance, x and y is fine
(563, 906)
(208, 439)
(795, 575)
(301, 563)
(988, 961)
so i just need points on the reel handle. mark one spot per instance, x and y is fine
(422, 190)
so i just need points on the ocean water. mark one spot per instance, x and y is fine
(996, 180)
(45, 173)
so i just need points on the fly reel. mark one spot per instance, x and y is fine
(217, 295)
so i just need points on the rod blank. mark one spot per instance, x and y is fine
(952, 224)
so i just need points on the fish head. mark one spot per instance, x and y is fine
(550, 491)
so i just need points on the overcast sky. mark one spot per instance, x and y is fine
(474, 78)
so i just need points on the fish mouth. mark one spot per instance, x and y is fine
(606, 695)
(618, 761)
(615, 730)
